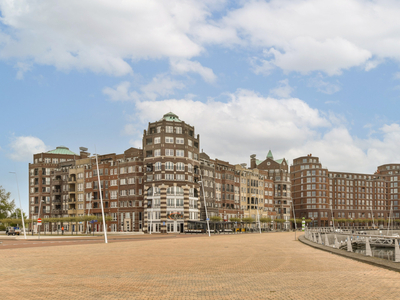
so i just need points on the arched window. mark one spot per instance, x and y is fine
(180, 166)
(157, 166)
(169, 166)
(170, 190)
(179, 190)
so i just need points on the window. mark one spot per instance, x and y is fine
(180, 166)
(157, 152)
(122, 181)
(113, 182)
(88, 185)
(169, 129)
(178, 130)
(180, 153)
(169, 140)
(157, 166)
(157, 140)
(180, 177)
(169, 166)
(113, 194)
(190, 155)
(190, 143)
(169, 152)
(180, 141)
(169, 176)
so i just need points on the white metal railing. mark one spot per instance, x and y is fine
(320, 236)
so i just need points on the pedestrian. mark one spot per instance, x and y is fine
(62, 230)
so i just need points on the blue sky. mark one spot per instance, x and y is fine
(296, 77)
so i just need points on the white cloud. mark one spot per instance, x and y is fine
(182, 66)
(160, 86)
(283, 90)
(315, 35)
(23, 148)
(324, 86)
(100, 35)
(248, 123)
(106, 36)
(22, 69)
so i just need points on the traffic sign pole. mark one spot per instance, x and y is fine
(39, 222)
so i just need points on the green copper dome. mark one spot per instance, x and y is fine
(62, 150)
(171, 117)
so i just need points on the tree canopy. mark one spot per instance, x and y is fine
(7, 206)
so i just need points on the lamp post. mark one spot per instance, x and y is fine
(205, 206)
(20, 206)
(101, 200)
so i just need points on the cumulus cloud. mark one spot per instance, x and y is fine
(314, 35)
(283, 90)
(183, 66)
(23, 147)
(103, 36)
(100, 35)
(249, 123)
(245, 123)
(160, 86)
(324, 86)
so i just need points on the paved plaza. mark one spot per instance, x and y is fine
(248, 266)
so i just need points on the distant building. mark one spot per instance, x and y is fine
(322, 195)
(278, 172)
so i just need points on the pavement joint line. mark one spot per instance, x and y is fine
(375, 261)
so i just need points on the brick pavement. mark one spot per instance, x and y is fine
(249, 266)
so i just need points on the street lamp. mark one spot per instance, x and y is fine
(20, 206)
(205, 206)
(101, 199)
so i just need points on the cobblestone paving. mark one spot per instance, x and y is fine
(252, 266)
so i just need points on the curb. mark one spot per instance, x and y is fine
(375, 261)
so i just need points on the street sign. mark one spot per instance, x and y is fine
(208, 219)
(39, 221)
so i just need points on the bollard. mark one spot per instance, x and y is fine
(336, 243)
(319, 239)
(368, 251)
(326, 240)
(396, 251)
(349, 247)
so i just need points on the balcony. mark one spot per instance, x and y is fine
(71, 200)
(56, 182)
(56, 191)
(72, 179)
(72, 211)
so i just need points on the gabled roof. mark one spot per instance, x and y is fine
(62, 150)
(171, 117)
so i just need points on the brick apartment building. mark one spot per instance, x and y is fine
(320, 194)
(158, 188)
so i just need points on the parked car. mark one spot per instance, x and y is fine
(13, 230)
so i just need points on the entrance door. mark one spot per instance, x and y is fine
(181, 227)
